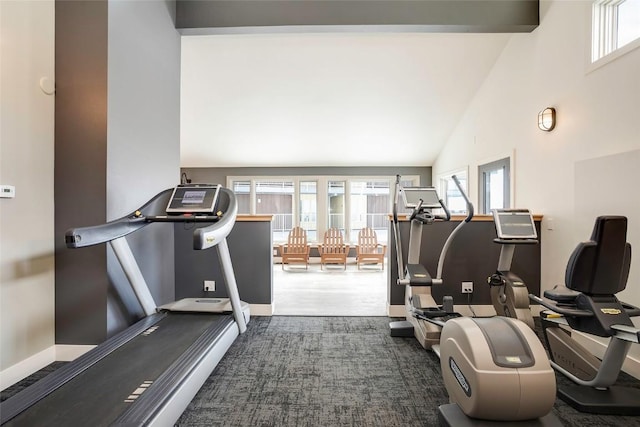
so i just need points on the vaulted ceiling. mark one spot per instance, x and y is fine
(272, 93)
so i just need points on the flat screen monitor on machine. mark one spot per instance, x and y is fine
(193, 199)
(413, 195)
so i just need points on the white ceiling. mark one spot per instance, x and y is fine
(327, 99)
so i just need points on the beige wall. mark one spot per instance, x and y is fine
(597, 135)
(26, 161)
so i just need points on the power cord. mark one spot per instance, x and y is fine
(469, 304)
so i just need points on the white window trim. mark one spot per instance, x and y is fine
(603, 47)
(512, 179)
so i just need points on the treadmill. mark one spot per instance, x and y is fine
(148, 373)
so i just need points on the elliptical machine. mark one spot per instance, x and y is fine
(480, 358)
(597, 270)
(509, 293)
(424, 316)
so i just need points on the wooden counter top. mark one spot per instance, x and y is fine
(254, 218)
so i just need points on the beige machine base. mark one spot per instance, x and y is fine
(207, 305)
(451, 415)
(425, 332)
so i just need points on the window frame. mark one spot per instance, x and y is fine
(604, 34)
(502, 163)
(322, 214)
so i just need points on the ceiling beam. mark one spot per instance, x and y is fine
(258, 16)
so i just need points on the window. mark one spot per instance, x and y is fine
(319, 202)
(615, 23)
(276, 198)
(369, 203)
(243, 196)
(450, 194)
(494, 181)
(309, 208)
(335, 193)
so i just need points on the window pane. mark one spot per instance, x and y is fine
(276, 198)
(453, 199)
(495, 190)
(369, 206)
(336, 204)
(309, 208)
(243, 196)
(628, 22)
(494, 185)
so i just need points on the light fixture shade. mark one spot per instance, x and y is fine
(547, 119)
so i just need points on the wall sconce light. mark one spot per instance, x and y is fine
(547, 119)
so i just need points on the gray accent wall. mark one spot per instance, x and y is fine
(80, 168)
(472, 256)
(116, 146)
(250, 246)
(218, 16)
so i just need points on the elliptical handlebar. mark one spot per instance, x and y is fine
(470, 212)
(447, 214)
(447, 243)
(416, 210)
(396, 230)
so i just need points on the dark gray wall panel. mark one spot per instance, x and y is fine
(251, 255)
(218, 16)
(117, 145)
(473, 256)
(80, 167)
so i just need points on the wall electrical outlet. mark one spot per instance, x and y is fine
(467, 287)
(209, 285)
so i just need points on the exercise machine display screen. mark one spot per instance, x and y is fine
(193, 199)
(412, 195)
(514, 224)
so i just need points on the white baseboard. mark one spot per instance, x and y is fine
(261, 309)
(67, 353)
(396, 311)
(55, 353)
(21, 370)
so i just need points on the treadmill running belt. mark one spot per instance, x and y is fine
(99, 395)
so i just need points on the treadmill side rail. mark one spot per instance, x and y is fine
(168, 396)
(28, 397)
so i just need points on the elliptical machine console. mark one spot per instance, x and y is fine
(509, 293)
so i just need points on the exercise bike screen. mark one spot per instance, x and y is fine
(514, 225)
(412, 196)
(197, 199)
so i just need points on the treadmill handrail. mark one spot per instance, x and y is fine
(80, 237)
(206, 237)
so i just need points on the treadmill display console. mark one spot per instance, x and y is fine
(411, 197)
(514, 224)
(193, 199)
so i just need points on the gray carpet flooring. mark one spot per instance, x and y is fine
(330, 371)
(336, 371)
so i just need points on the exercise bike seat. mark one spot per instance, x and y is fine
(561, 294)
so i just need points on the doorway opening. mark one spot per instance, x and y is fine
(330, 291)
